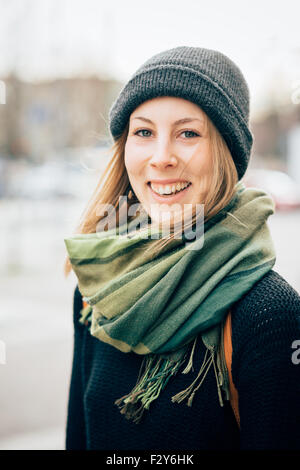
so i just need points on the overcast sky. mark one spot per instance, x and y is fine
(58, 38)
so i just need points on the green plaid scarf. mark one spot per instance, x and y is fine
(158, 305)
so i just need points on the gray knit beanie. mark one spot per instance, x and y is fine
(203, 76)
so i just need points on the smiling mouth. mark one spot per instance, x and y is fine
(171, 194)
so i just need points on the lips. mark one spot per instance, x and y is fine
(168, 181)
(168, 198)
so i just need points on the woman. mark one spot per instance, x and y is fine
(157, 290)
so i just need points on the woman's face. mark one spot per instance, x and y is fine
(167, 149)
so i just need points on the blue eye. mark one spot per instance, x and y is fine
(191, 132)
(142, 130)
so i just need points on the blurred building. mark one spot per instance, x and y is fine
(42, 118)
(277, 138)
(39, 118)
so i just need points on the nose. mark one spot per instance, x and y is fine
(163, 155)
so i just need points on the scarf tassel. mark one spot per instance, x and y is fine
(190, 391)
(157, 372)
(154, 375)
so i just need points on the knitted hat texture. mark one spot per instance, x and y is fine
(205, 77)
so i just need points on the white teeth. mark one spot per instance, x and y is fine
(169, 189)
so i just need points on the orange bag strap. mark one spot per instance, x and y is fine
(228, 358)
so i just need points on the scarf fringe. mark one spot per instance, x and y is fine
(190, 391)
(157, 372)
(190, 363)
(154, 375)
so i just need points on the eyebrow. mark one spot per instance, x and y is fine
(180, 121)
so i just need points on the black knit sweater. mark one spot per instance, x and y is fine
(265, 323)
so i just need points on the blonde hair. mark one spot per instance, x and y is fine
(114, 183)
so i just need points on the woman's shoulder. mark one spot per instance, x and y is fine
(271, 293)
(271, 308)
(265, 329)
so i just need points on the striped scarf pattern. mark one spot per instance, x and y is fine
(157, 306)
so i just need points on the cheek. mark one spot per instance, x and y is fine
(131, 159)
(201, 161)
(128, 158)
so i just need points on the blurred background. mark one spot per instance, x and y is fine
(62, 63)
